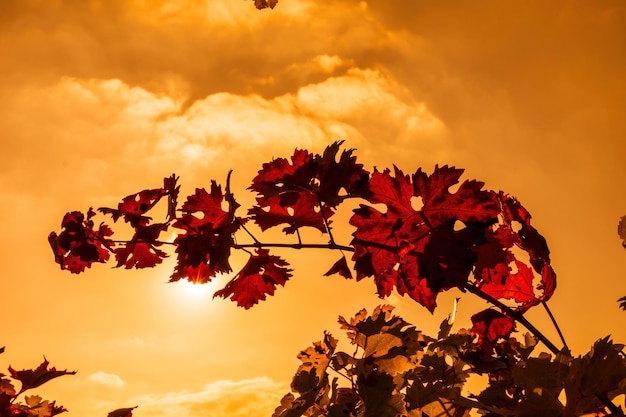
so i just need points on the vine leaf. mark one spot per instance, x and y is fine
(379, 395)
(518, 287)
(203, 250)
(141, 251)
(340, 267)
(304, 191)
(418, 235)
(490, 326)
(469, 204)
(79, 245)
(122, 412)
(32, 378)
(258, 278)
(302, 213)
(133, 207)
(598, 374)
(310, 382)
(414, 250)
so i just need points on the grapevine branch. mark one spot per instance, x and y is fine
(416, 252)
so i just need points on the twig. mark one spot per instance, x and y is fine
(556, 325)
(516, 315)
(294, 246)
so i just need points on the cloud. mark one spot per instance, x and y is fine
(225, 398)
(107, 129)
(363, 107)
(110, 380)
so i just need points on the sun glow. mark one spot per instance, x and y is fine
(196, 291)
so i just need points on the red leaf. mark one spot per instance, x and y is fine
(493, 256)
(304, 212)
(334, 176)
(409, 282)
(469, 204)
(79, 245)
(529, 238)
(204, 249)
(279, 176)
(32, 378)
(340, 267)
(491, 325)
(518, 287)
(419, 255)
(139, 255)
(378, 235)
(305, 191)
(133, 207)
(548, 282)
(210, 205)
(260, 276)
(141, 251)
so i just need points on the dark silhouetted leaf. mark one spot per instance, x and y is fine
(32, 378)
(122, 412)
(340, 267)
(79, 245)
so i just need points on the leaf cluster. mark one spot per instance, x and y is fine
(34, 405)
(417, 234)
(396, 370)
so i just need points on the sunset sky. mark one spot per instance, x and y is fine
(101, 99)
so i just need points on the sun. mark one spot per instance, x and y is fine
(199, 291)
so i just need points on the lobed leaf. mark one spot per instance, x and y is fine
(32, 378)
(258, 278)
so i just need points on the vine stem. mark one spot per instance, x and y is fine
(515, 315)
(554, 322)
(333, 246)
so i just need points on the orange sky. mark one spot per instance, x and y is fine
(100, 99)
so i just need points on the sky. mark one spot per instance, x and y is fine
(101, 99)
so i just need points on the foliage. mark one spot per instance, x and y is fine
(396, 370)
(418, 234)
(461, 239)
(34, 405)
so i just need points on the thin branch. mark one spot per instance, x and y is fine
(556, 325)
(152, 242)
(295, 246)
(327, 225)
(614, 409)
(515, 315)
(256, 241)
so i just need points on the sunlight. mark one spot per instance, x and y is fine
(195, 291)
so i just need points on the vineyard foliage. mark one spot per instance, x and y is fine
(452, 239)
(34, 405)
(417, 234)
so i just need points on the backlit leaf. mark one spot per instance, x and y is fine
(258, 278)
